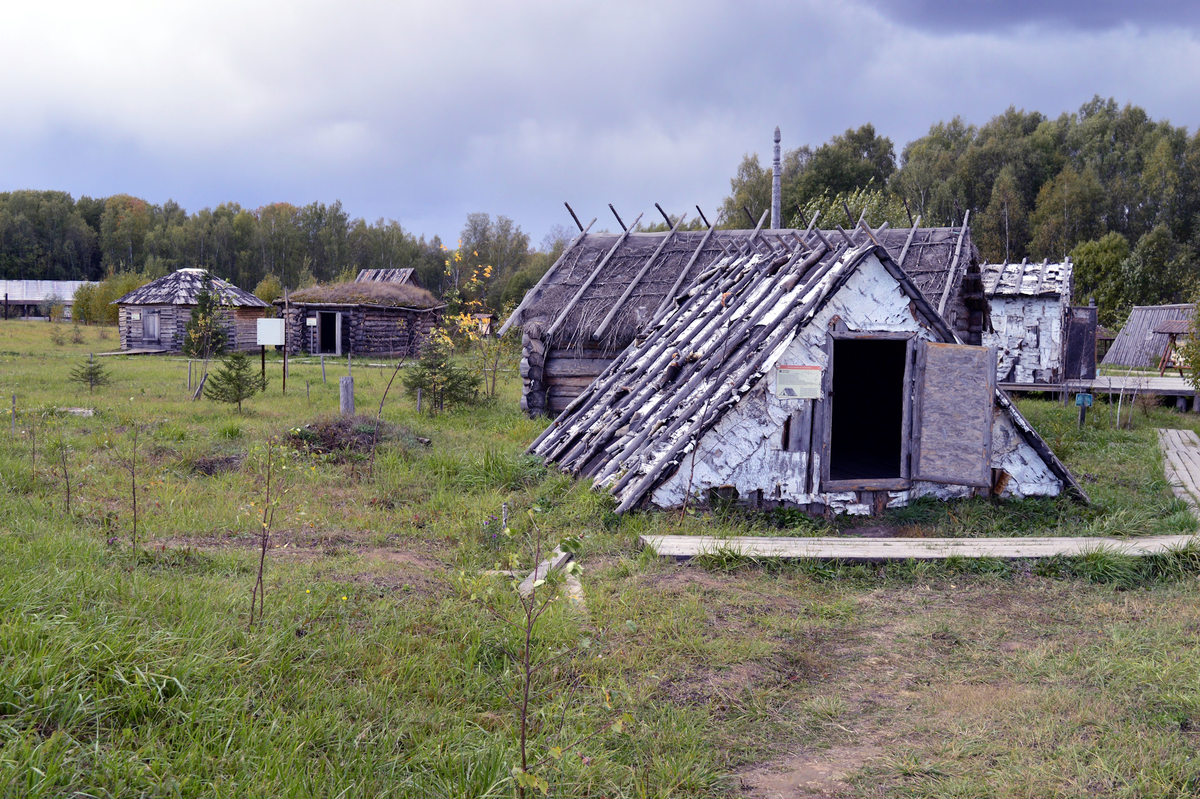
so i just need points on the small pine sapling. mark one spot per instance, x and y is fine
(441, 381)
(90, 374)
(235, 380)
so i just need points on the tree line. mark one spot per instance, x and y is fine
(48, 235)
(1108, 185)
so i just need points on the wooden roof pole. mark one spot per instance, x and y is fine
(562, 315)
(533, 292)
(670, 298)
(962, 234)
(908, 242)
(636, 280)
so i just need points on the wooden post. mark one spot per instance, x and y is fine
(349, 364)
(264, 365)
(1082, 415)
(323, 380)
(418, 400)
(14, 415)
(189, 374)
(346, 395)
(307, 392)
(285, 343)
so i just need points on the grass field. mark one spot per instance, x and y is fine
(381, 667)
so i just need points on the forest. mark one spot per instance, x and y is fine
(1109, 186)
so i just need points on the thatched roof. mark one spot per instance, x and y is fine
(1027, 279)
(928, 254)
(183, 286)
(1138, 344)
(387, 276)
(633, 426)
(397, 295)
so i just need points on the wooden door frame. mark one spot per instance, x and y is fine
(875, 484)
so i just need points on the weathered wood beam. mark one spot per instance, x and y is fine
(703, 218)
(670, 225)
(847, 236)
(670, 298)
(571, 211)
(618, 216)
(962, 234)
(633, 284)
(536, 290)
(908, 242)
(562, 315)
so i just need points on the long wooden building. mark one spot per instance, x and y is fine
(608, 288)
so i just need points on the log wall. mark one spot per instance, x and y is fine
(552, 377)
(366, 330)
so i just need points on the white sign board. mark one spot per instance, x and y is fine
(270, 332)
(311, 321)
(798, 382)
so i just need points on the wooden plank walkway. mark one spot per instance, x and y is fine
(1134, 384)
(1181, 461)
(848, 548)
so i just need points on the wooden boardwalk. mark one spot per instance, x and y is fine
(1181, 461)
(1134, 384)
(849, 548)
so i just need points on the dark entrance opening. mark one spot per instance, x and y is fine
(867, 409)
(327, 331)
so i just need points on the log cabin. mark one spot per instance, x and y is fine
(155, 316)
(380, 318)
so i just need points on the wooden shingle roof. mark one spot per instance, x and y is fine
(1026, 279)
(183, 286)
(1138, 345)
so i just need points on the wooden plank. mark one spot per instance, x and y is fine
(670, 298)
(962, 233)
(636, 280)
(800, 427)
(849, 548)
(957, 391)
(575, 367)
(562, 315)
(538, 287)
(908, 242)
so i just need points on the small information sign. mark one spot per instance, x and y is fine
(798, 382)
(1083, 400)
(270, 332)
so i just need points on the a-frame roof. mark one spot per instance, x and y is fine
(631, 428)
(607, 286)
(183, 286)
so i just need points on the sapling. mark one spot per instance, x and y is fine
(378, 415)
(62, 452)
(133, 486)
(258, 593)
(91, 374)
(534, 597)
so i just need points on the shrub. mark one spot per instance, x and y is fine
(440, 380)
(91, 373)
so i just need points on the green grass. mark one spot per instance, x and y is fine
(376, 673)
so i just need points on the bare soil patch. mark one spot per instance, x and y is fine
(343, 439)
(807, 774)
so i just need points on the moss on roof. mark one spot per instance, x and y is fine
(401, 295)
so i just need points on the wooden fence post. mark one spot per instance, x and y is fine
(346, 393)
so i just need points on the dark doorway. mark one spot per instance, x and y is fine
(327, 332)
(867, 409)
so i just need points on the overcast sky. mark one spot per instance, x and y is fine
(424, 112)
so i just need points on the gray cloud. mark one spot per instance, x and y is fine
(426, 112)
(990, 15)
